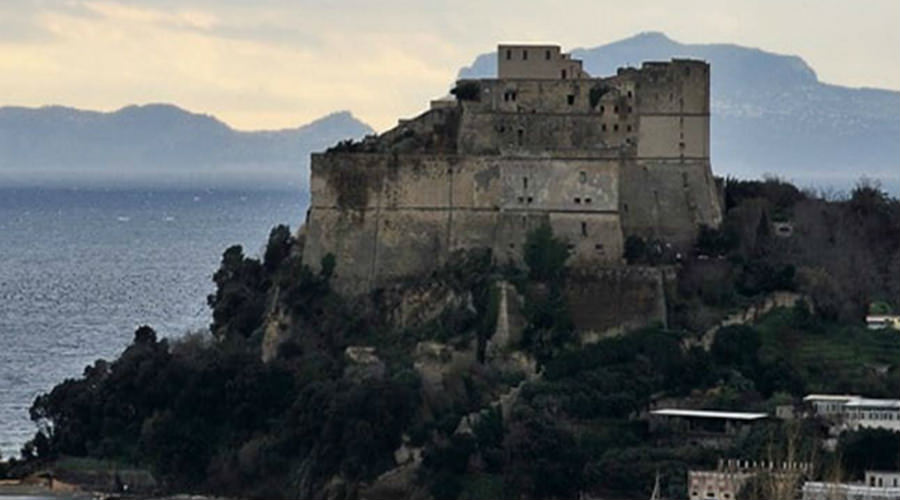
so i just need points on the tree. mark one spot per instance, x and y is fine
(545, 255)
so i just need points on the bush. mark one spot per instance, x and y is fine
(467, 91)
(545, 255)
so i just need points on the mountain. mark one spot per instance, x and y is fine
(770, 112)
(157, 144)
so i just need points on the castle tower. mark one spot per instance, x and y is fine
(597, 158)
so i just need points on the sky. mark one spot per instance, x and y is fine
(266, 64)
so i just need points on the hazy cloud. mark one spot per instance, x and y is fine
(277, 63)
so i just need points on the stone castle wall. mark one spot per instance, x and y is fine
(387, 217)
(599, 159)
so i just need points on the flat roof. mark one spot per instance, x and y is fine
(725, 415)
(874, 403)
(831, 397)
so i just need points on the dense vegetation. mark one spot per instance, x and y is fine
(206, 414)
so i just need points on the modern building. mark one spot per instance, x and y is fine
(882, 322)
(730, 476)
(877, 486)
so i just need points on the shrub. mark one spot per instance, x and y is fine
(467, 91)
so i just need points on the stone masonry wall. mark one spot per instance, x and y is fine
(386, 217)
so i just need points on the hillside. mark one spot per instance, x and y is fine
(475, 380)
(770, 112)
(157, 144)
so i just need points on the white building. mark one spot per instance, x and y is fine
(877, 486)
(882, 321)
(829, 405)
(731, 475)
(872, 414)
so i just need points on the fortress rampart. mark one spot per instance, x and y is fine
(598, 159)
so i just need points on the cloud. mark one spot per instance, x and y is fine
(279, 63)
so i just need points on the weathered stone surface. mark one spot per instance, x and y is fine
(598, 159)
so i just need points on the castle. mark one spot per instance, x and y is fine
(599, 159)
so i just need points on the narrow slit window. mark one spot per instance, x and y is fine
(520, 136)
(582, 177)
(547, 55)
(524, 182)
(563, 74)
(603, 127)
(524, 55)
(508, 54)
(584, 228)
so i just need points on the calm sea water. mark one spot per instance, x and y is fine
(80, 270)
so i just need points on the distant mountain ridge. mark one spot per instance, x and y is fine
(157, 144)
(770, 112)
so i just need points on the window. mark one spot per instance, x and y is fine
(684, 182)
(508, 54)
(524, 182)
(629, 109)
(602, 109)
(603, 127)
(681, 145)
(584, 228)
(563, 74)
(587, 200)
(616, 127)
(520, 135)
(625, 207)
(598, 246)
(628, 128)
(524, 55)
(615, 109)
(582, 177)
(512, 246)
(521, 199)
(629, 94)
(570, 99)
(547, 55)
(578, 200)
(530, 199)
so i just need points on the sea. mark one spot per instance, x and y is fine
(80, 270)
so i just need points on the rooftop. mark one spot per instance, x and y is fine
(874, 403)
(724, 415)
(831, 397)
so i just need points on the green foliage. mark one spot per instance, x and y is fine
(596, 93)
(545, 255)
(714, 242)
(239, 301)
(278, 248)
(880, 308)
(869, 449)
(467, 91)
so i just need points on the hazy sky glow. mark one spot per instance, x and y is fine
(279, 63)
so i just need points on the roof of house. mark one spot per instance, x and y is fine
(831, 397)
(724, 415)
(874, 403)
